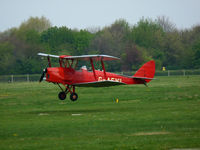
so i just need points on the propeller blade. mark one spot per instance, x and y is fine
(43, 74)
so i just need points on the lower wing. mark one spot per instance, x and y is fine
(99, 84)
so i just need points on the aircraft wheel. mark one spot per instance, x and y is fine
(62, 95)
(73, 96)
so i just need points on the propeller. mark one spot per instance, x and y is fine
(43, 74)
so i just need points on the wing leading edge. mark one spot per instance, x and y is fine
(95, 57)
(83, 57)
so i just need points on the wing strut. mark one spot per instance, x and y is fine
(104, 70)
(49, 61)
(91, 61)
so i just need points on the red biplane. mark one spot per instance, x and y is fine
(67, 75)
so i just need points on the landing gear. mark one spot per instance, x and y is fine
(62, 95)
(73, 97)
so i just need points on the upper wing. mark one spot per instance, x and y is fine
(42, 54)
(95, 57)
(83, 57)
(99, 84)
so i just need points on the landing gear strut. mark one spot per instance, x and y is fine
(62, 95)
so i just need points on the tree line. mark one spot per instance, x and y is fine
(136, 44)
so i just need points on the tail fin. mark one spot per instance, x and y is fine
(146, 73)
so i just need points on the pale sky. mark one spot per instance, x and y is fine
(82, 14)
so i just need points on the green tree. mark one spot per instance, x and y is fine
(147, 33)
(132, 57)
(35, 23)
(58, 39)
(196, 57)
(166, 24)
(82, 42)
(112, 40)
(6, 58)
(190, 39)
(173, 51)
(150, 37)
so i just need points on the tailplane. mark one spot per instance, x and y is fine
(146, 73)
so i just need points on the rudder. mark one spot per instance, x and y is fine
(146, 72)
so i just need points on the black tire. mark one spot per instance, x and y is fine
(73, 97)
(62, 95)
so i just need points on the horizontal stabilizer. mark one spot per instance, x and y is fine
(143, 78)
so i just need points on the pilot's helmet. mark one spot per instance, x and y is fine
(84, 68)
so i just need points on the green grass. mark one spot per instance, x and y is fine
(165, 115)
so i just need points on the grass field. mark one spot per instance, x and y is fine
(165, 115)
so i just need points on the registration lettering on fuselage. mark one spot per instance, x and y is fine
(110, 79)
